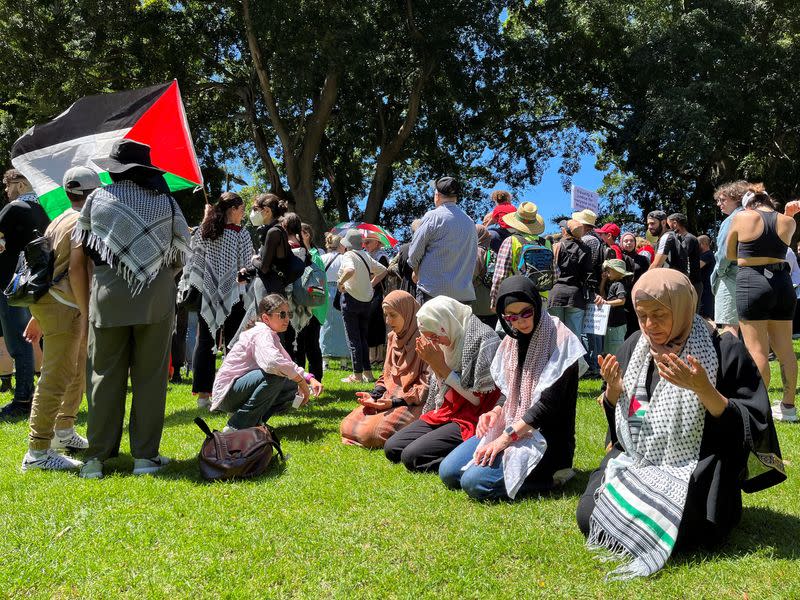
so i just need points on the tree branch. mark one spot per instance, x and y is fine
(264, 80)
(318, 122)
(260, 140)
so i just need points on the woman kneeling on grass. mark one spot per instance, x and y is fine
(691, 428)
(396, 401)
(258, 378)
(459, 349)
(527, 442)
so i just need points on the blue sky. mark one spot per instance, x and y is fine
(550, 197)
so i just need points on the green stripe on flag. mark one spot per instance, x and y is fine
(635, 512)
(54, 202)
(177, 183)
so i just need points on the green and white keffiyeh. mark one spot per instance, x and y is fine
(639, 505)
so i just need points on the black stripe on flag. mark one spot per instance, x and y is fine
(90, 115)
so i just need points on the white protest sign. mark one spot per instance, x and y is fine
(595, 319)
(583, 198)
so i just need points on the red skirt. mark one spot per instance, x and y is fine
(459, 410)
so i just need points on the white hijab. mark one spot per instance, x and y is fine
(446, 317)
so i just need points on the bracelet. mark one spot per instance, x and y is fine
(308, 377)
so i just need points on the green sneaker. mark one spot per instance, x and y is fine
(93, 469)
(148, 466)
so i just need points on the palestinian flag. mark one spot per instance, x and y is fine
(87, 129)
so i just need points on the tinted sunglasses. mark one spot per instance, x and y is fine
(525, 314)
(283, 314)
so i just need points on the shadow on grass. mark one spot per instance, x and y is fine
(189, 469)
(185, 416)
(761, 529)
(307, 431)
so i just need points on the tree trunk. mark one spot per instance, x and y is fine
(299, 165)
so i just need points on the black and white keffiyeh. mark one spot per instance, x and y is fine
(639, 505)
(212, 271)
(136, 230)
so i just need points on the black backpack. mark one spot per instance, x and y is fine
(33, 281)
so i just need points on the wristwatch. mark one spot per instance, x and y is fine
(509, 431)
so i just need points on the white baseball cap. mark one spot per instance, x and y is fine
(78, 180)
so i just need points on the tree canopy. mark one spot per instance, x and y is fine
(348, 108)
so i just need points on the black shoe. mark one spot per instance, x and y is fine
(5, 384)
(16, 410)
(176, 378)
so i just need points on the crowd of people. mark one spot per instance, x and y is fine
(479, 332)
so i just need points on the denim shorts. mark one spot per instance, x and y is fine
(765, 293)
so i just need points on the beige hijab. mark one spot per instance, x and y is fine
(672, 290)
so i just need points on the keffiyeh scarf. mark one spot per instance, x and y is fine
(212, 270)
(136, 230)
(552, 350)
(480, 346)
(639, 505)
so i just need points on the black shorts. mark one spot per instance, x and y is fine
(765, 293)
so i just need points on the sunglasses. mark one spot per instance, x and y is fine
(525, 314)
(283, 314)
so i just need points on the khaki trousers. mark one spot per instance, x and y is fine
(60, 388)
(114, 352)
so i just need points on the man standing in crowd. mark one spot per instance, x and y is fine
(445, 247)
(20, 222)
(669, 250)
(138, 239)
(599, 253)
(525, 225)
(58, 319)
(707, 262)
(609, 233)
(678, 223)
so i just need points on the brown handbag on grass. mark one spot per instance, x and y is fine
(236, 454)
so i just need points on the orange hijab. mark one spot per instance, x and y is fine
(403, 367)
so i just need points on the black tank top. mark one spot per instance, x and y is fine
(768, 244)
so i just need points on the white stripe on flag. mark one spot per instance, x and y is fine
(45, 167)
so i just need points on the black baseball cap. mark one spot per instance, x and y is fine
(447, 186)
(658, 215)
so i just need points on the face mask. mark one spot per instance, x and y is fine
(256, 218)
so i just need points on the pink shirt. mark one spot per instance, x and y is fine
(257, 348)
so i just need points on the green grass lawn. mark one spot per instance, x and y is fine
(341, 522)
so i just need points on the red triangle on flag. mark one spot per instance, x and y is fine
(635, 405)
(164, 128)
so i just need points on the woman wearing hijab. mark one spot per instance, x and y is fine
(482, 306)
(458, 349)
(691, 428)
(525, 443)
(396, 401)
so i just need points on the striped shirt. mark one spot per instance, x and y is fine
(443, 253)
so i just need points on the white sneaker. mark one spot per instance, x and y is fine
(204, 403)
(780, 412)
(228, 429)
(147, 466)
(67, 439)
(48, 460)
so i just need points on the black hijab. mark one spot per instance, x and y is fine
(519, 288)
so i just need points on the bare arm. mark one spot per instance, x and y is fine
(732, 241)
(79, 279)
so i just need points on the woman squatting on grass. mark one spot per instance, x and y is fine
(258, 378)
